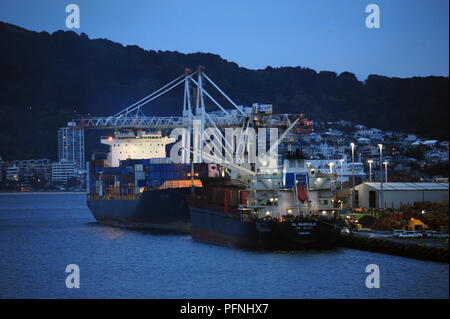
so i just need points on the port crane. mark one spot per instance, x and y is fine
(240, 168)
(132, 117)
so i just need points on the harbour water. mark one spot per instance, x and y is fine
(40, 234)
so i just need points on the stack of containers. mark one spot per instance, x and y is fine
(131, 174)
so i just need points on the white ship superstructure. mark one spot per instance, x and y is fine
(136, 145)
(318, 185)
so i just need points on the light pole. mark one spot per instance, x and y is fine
(385, 169)
(370, 170)
(342, 182)
(381, 176)
(309, 165)
(353, 173)
(331, 167)
(331, 174)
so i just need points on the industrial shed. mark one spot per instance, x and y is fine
(398, 194)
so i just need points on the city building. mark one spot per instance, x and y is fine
(363, 140)
(397, 194)
(417, 143)
(12, 172)
(62, 171)
(71, 145)
(360, 127)
(27, 168)
(430, 143)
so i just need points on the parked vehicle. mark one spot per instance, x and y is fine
(435, 234)
(410, 234)
(440, 235)
(429, 233)
(397, 232)
(345, 231)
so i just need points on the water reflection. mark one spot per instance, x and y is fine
(107, 232)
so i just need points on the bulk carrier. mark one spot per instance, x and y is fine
(258, 217)
(289, 207)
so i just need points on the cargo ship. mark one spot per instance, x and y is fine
(230, 215)
(148, 191)
(269, 208)
(136, 185)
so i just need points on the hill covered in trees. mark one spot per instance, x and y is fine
(48, 79)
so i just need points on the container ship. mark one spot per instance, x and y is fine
(136, 185)
(147, 191)
(269, 208)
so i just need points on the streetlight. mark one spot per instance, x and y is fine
(331, 167)
(342, 181)
(385, 169)
(353, 173)
(370, 170)
(331, 174)
(381, 176)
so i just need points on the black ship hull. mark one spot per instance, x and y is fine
(221, 229)
(160, 210)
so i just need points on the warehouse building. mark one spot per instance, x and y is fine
(398, 194)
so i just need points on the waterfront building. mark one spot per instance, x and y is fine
(397, 194)
(62, 171)
(27, 168)
(71, 145)
(12, 172)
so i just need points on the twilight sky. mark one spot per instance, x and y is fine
(319, 34)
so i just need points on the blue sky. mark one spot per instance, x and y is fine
(323, 34)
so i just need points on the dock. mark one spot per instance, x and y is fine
(404, 248)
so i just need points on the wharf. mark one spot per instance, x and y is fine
(415, 249)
